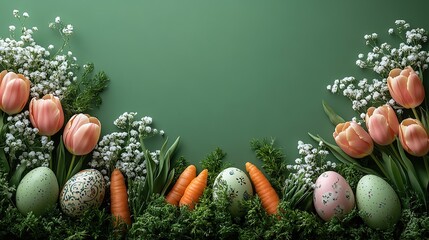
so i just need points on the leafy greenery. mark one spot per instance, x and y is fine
(93, 224)
(84, 94)
(158, 179)
(273, 161)
(210, 219)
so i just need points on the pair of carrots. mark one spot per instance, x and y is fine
(188, 188)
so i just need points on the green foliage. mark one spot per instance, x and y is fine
(84, 94)
(210, 219)
(273, 161)
(214, 164)
(158, 179)
(93, 224)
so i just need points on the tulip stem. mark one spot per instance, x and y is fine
(426, 161)
(71, 167)
(415, 114)
(378, 164)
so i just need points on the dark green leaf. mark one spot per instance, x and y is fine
(77, 167)
(417, 186)
(17, 175)
(333, 117)
(394, 174)
(60, 170)
(4, 163)
(168, 182)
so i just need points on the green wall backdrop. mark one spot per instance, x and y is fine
(220, 73)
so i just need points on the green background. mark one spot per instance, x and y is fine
(220, 73)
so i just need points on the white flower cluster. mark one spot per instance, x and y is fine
(362, 93)
(48, 73)
(384, 57)
(24, 144)
(310, 165)
(125, 150)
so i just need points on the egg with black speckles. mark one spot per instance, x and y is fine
(332, 196)
(378, 203)
(81, 192)
(237, 187)
(37, 192)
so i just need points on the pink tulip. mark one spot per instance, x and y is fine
(382, 124)
(81, 134)
(46, 114)
(413, 137)
(405, 87)
(353, 139)
(14, 92)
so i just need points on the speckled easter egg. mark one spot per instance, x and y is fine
(82, 191)
(378, 203)
(237, 186)
(332, 196)
(37, 192)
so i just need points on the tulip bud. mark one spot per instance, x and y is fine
(81, 134)
(382, 124)
(46, 114)
(405, 87)
(353, 139)
(14, 92)
(414, 137)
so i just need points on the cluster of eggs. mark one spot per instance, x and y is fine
(38, 192)
(378, 204)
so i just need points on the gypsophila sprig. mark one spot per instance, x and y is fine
(125, 149)
(23, 145)
(385, 57)
(48, 72)
(303, 174)
(362, 93)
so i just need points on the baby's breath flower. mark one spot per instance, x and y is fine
(125, 149)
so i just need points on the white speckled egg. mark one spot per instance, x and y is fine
(378, 203)
(82, 191)
(238, 186)
(37, 192)
(332, 196)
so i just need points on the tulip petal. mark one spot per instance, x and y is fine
(416, 140)
(15, 96)
(85, 138)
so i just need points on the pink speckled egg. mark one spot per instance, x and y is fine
(332, 196)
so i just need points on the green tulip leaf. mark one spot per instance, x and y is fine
(150, 166)
(60, 170)
(394, 173)
(418, 187)
(76, 168)
(4, 163)
(333, 117)
(168, 181)
(163, 170)
(17, 176)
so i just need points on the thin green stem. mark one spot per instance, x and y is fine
(396, 153)
(71, 166)
(426, 161)
(416, 115)
(378, 164)
(50, 156)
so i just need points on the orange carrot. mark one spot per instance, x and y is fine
(269, 198)
(194, 190)
(119, 198)
(176, 193)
